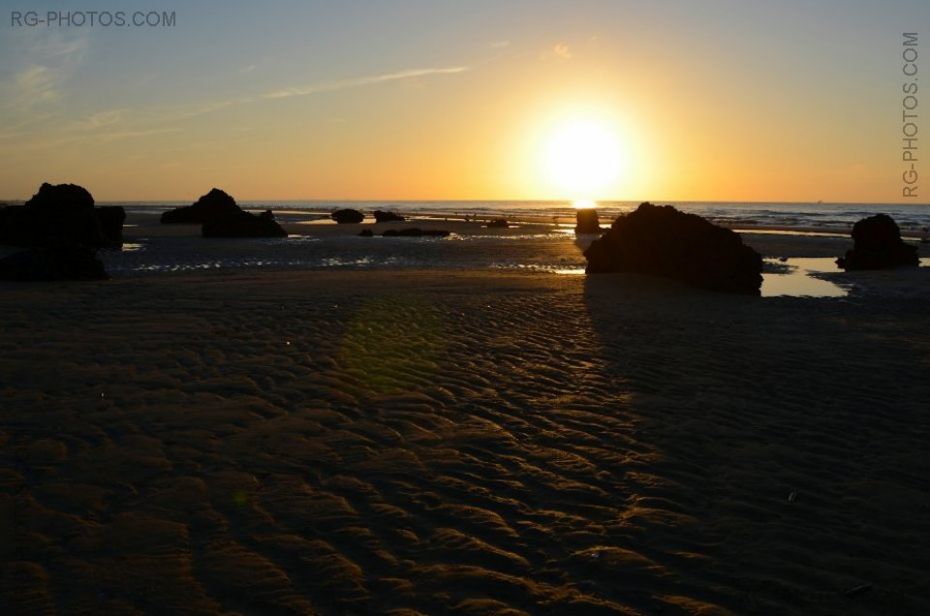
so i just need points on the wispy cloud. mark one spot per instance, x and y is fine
(45, 62)
(133, 134)
(561, 50)
(99, 120)
(41, 83)
(332, 86)
(499, 44)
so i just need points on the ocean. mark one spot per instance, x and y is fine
(316, 242)
(839, 217)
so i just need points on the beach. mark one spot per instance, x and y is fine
(355, 438)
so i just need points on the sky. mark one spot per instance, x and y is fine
(403, 100)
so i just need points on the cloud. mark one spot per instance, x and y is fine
(561, 50)
(499, 44)
(38, 82)
(100, 119)
(133, 134)
(332, 86)
(41, 65)
(35, 84)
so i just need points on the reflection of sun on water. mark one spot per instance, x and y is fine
(584, 204)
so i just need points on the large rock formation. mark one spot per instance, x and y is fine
(222, 217)
(586, 221)
(878, 245)
(244, 224)
(53, 263)
(212, 207)
(61, 215)
(382, 216)
(344, 217)
(661, 241)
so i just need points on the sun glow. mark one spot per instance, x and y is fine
(584, 204)
(583, 158)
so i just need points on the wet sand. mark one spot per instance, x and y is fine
(464, 442)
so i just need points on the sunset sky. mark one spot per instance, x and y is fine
(726, 100)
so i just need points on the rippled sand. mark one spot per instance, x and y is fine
(462, 442)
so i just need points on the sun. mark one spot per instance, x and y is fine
(583, 157)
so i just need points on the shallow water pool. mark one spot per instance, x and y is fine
(797, 280)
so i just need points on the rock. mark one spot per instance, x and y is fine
(878, 245)
(344, 217)
(54, 263)
(661, 241)
(244, 224)
(61, 199)
(211, 207)
(221, 216)
(367, 233)
(415, 232)
(498, 223)
(20, 227)
(382, 216)
(111, 219)
(586, 221)
(61, 215)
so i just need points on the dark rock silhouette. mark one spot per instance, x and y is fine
(367, 233)
(878, 245)
(344, 217)
(244, 224)
(61, 215)
(661, 241)
(415, 232)
(53, 263)
(211, 207)
(382, 216)
(111, 219)
(498, 223)
(221, 216)
(586, 221)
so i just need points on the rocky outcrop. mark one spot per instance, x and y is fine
(221, 216)
(415, 232)
(878, 245)
(53, 263)
(586, 221)
(61, 215)
(347, 216)
(244, 224)
(382, 216)
(211, 207)
(111, 219)
(661, 241)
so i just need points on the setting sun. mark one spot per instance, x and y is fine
(583, 157)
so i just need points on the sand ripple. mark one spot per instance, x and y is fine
(438, 443)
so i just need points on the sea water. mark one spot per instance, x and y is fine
(525, 247)
(913, 219)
